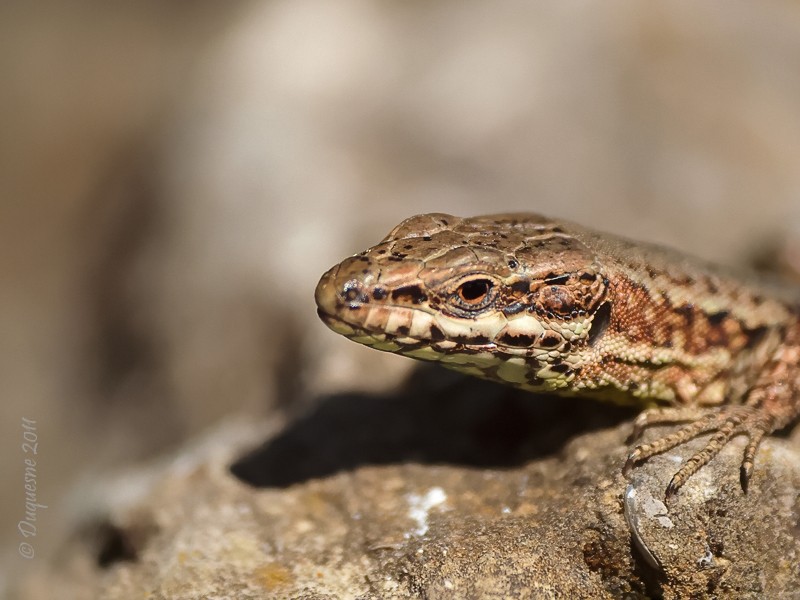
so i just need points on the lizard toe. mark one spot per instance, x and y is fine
(725, 423)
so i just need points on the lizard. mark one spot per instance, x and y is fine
(551, 306)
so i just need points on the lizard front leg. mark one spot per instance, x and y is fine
(771, 404)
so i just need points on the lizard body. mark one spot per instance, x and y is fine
(551, 306)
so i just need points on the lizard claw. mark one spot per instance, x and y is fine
(631, 461)
(745, 472)
(672, 488)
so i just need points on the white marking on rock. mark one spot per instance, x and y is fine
(419, 507)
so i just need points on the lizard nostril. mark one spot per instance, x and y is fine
(353, 293)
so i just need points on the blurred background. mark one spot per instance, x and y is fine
(174, 177)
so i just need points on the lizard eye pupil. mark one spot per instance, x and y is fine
(473, 292)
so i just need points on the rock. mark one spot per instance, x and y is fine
(461, 489)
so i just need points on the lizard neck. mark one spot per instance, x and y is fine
(669, 339)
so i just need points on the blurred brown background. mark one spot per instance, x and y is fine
(175, 176)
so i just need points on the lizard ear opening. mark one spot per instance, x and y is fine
(570, 295)
(600, 322)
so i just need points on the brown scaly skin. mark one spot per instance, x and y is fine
(550, 306)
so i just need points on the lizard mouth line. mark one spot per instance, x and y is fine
(352, 330)
(402, 341)
(332, 320)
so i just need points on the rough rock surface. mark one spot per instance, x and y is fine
(460, 489)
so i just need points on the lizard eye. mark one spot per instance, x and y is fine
(474, 294)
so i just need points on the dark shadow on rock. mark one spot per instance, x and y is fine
(437, 418)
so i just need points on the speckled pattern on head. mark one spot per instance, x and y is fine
(551, 306)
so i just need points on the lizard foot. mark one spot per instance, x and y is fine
(726, 423)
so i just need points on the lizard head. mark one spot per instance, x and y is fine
(513, 297)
